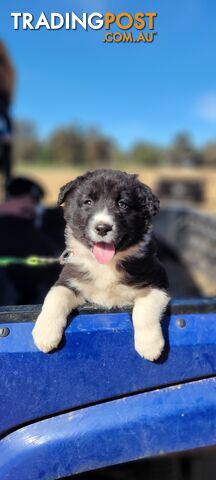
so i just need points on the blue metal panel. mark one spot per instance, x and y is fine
(167, 420)
(97, 362)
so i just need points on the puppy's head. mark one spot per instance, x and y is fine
(108, 211)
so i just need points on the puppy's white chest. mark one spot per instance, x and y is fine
(108, 294)
(105, 287)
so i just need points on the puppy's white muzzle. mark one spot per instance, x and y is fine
(102, 227)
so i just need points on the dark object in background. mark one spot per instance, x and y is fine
(5, 141)
(49, 220)
(5, 158)
(23, 186)
(20, 238)
(191, 236)
(53, 225)
(7, 79)
(181, 282)
(41, 233)
(181, 189)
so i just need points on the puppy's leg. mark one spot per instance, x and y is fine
(147, 313)
(52, 320)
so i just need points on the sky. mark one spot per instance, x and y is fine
(130, 92)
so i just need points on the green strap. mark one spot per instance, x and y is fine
(32, 261)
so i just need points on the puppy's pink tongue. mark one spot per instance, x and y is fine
(104, 252)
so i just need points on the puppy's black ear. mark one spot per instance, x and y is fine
(64, 191)
(148, 200)
(71, 187)
(68, 188)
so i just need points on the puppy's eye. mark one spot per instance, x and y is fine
(88, 202)
(122, 205)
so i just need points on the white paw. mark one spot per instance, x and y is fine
(46, 335)
(149, 348)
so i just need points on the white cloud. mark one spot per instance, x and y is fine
(206, 107)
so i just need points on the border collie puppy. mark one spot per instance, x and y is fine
(110, 259)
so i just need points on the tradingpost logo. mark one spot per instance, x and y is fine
(143, 25)
(123, 27)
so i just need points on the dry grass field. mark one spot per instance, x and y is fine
(54, 177)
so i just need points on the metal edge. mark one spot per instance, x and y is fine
(29, 313)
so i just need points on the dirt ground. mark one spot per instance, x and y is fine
(52, 178)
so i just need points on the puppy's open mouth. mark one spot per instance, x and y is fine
(104, 252)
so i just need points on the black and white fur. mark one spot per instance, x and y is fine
(125, 207)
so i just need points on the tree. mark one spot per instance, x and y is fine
(183, 152)
(67, 146)
(146, 154)
(98, 150)
(26, 142)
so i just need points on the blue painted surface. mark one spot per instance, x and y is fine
(163, 421)
(97, 362)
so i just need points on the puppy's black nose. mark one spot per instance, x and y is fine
(103, 228)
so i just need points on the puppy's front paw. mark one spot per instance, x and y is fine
(46, 335)
(149, 347)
